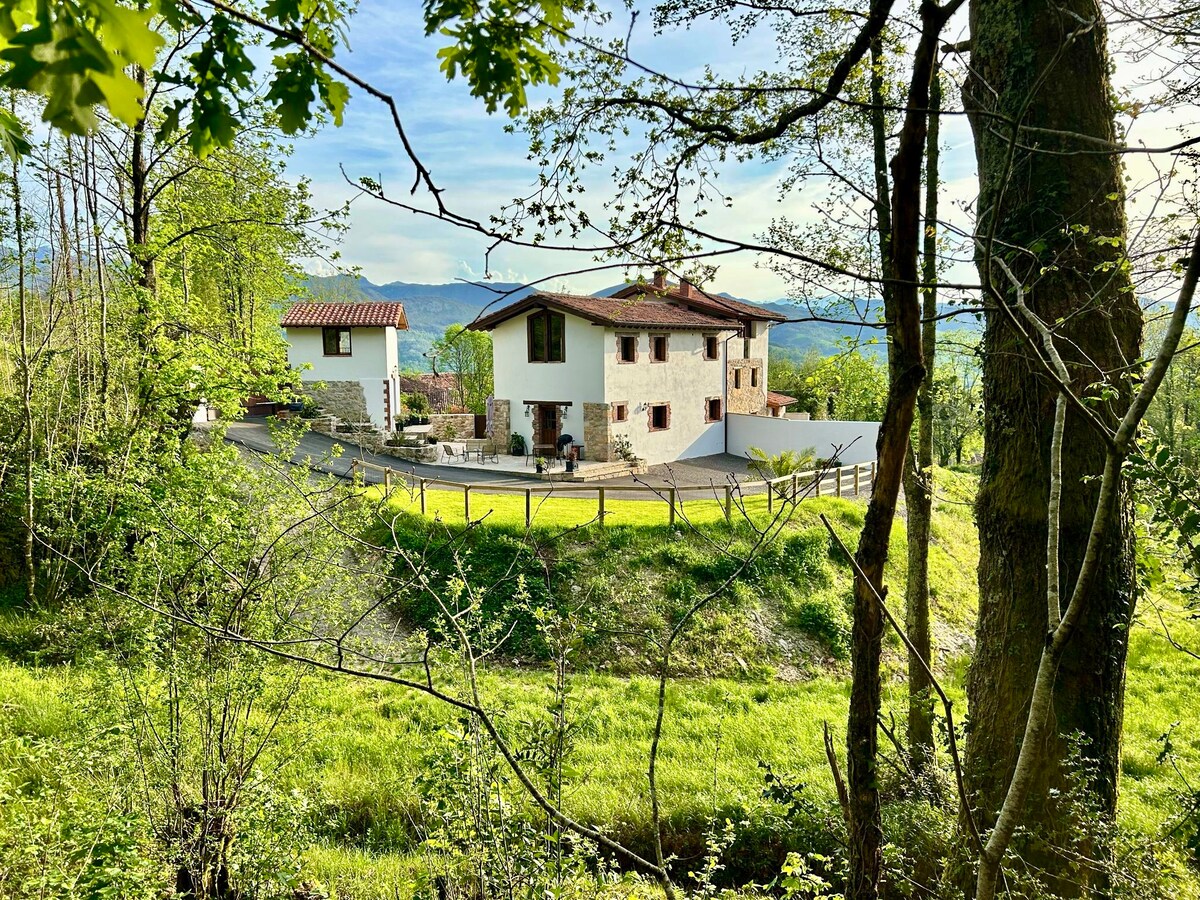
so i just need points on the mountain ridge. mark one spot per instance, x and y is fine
(431, 308)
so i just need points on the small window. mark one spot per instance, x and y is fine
(620, 412)
(627, 348)
(737, 379)
(712, 412)
(547, 337)
(711, 346)
(752, 329)
(336, 341)
(658, 348)
(660, 417)
(754, 377)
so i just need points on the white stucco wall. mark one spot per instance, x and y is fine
(578, 379)
(685, 380)
(373, 361)
(776, 435)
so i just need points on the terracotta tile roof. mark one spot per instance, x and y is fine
(362, 315)
(634, 312)
(776, 399)
(711, 302)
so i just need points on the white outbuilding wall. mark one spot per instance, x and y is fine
(856, 440)
(373, 362)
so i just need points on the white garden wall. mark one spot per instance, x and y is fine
(776, 435)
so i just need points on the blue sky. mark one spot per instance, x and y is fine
(481, 167)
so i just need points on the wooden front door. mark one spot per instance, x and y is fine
(546, 425)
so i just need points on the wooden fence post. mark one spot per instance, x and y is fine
(820, 475)
(873, 474)
(856, 467)
(728, 503)
(353, 469)
(528, 507)
(422, 496)
(600, 494)
(839, 481)
(794, 489)
(770, 497)
(467, 502)
(387, 482)
(671, 501)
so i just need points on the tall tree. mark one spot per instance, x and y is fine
(1055, 216)
(467, 355)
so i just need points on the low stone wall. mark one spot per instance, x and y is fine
(427, 453)
(452, 426)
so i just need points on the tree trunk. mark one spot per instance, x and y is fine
(906, 370)
(26, 360)
(918, 475)
(1046, 65)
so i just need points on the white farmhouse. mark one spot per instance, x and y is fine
(652, 370)
(351, 350)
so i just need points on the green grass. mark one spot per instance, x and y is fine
(550, 511)
(355, 750)
(1162, 695)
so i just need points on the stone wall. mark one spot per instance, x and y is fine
(344, 399)
(597, 437)
(501, 423)
(749, 400)
(461, 424)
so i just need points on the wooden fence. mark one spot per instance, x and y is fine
(785, 488)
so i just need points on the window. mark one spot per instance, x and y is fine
(547, 337)
(658, 348)
(754, 377)
(660, 416)
(627, 348)
(336, 341)
(737, 379)
(711, 346)
(620, 412)
(752, 329)
(712, 409)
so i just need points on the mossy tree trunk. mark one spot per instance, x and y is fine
(1056, 217)
(918, 473)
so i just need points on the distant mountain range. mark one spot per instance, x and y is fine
(433, 307)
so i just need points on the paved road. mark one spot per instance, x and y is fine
(704, 471)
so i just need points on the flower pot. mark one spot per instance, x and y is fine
(540, 468)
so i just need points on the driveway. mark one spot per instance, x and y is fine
(254, 435)
(703, 471)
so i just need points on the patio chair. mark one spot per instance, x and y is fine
(489, 451)
(454, 452)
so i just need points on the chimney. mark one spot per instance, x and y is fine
(685, 288)
(660, 279)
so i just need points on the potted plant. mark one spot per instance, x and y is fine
(516, 444)
(571, 460)
(540, 464)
